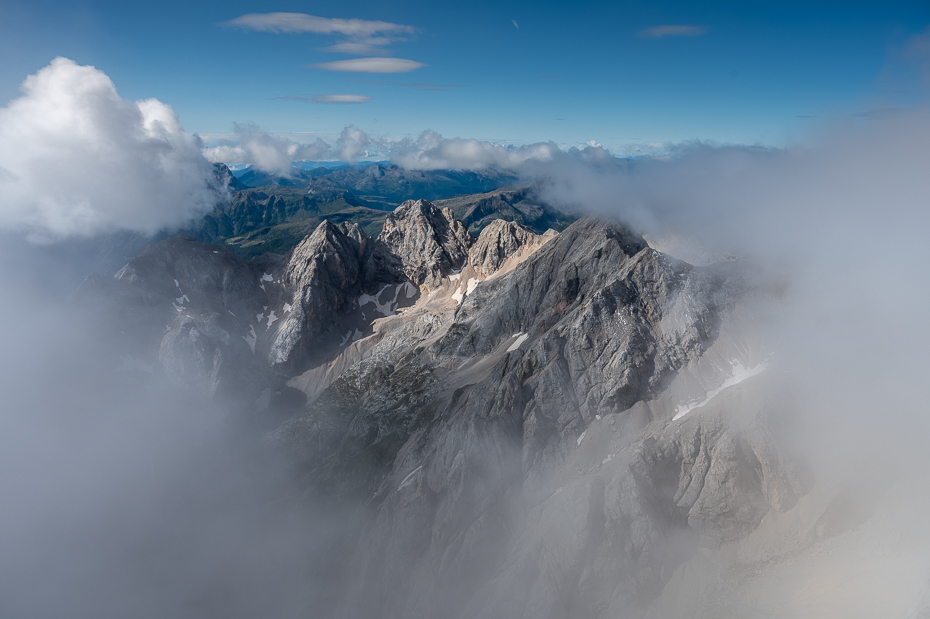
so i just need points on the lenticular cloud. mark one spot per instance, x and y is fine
(76, 159)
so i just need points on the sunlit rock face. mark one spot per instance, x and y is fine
(289, 312)
(430, 243)
(323, 277)
(497, 242)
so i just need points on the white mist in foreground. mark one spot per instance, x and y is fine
(739, 375)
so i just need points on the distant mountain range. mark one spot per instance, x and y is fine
(275, 217)
(271, 213)
(387, 183)
(522, 205)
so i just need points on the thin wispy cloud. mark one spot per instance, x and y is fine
(881, 113)
(515, 24)
(294, 98)
(293, 23)
(918, 52)
(417, 85)
(359, 48)
(427, 85)
(341, 99)
(658, 32)
(364, 37)
(371, 65)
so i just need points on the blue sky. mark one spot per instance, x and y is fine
(511, 72)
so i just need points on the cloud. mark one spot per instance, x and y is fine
(274, 155)
(417, 85)
(357, 48)
(431, 151)
(833, 218)
(918, 52)
(341, 99)
(294, 98)
(371, 65)
(76, 159)
(832, 234)
(352, 142)
(882, 113)
(365, 37)
(293, 23)
(657, 32)
(515, 24)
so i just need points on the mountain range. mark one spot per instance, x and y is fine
(514, 423)
(275, 213)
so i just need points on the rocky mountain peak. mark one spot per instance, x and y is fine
(332, 251)
(225, 178)
(323, 276)
(497, 242)
(429, 242)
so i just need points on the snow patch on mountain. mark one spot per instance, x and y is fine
(251, 338)
(521, 337)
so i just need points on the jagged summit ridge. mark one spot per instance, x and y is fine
(323, 275)
(497, 242)
(430, 242)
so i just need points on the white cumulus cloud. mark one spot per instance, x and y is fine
(352, 142)
(371, 65)
(273, 154)
(431, 151)
(76, 159)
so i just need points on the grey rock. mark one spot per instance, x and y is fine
(323, 276)
(430, 243)
(465, 434)
(189, 309)
(522, 205)
(225, 178)
(497, 242)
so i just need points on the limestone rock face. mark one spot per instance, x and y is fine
(323, 276)
(430, 243)
(521, 451)
(192, 307)
(497, 242)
